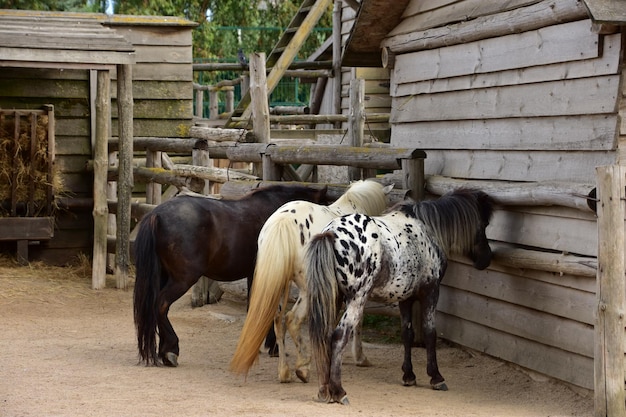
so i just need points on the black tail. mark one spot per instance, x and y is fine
(147, 285)
(320, 264)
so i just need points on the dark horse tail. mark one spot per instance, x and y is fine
(323, 298)
(147, 286)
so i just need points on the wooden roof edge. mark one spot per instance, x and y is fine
(110, 20)
(607, 11)
(373, 21)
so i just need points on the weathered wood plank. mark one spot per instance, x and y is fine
(161, 109)
(72, 126)
(535, 229)
(173, 128)
(544, 193)
(156, 35)
(606, 64)
(45, 73)
(576, 282)
(609, 332)
(572, 336)
(516, 165)
(569, 367)
(159, 54)
(64, 89)
(555, 98)
(542, 14)
(26, 228)
(66, 56)
(163, 72)
(567, 133)
(417, 18)
(604, 11)
(159, 88)
(533, 294)
(549, 45)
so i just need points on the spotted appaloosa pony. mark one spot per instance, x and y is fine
(188, 237)
(279, 261)
(399, 257)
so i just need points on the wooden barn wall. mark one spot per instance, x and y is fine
(163, 96)
(162, 80)
(540, 105)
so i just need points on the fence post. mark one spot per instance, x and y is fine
(125, 180)
(213, 103)
(609, 393)
(356, 122)
(258, 101)
(100, 165)
(153, 189)
(199, 102)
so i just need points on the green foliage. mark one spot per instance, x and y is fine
(49, 5)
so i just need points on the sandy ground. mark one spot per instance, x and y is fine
(70, 351)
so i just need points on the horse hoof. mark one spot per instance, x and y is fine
(440, 386)
(365, 363)
(170, 359)
(272, 351)
(321, 399)
(344, 400)
(302, 375)
(409, 383)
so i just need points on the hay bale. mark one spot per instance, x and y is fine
(24, 164)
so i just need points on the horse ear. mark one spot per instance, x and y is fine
(387, 189)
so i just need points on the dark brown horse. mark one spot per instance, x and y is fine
(189, 237)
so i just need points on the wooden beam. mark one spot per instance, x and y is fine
(101, 163)
(125, 183)
(538, 15)
(609, 330)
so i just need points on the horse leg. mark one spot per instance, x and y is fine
(428, 305)
(284, 374)
(357, 347)
(406, 306)
(295, 317)
(168, 340)
(350, 319)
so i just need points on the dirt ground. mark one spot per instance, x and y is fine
(70, 351)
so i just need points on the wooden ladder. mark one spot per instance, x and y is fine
(284, 52)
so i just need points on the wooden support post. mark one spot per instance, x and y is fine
(229, 100)
(125, 180)
(356, 124)
(112, 195)
(200, 157)
(413, 177)
(199, 103)
(213, 103)
(271, 171)
(610, 292)
(258, 101)
(205, 290)
(100, 167)
(337, 60)
(153, 189)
